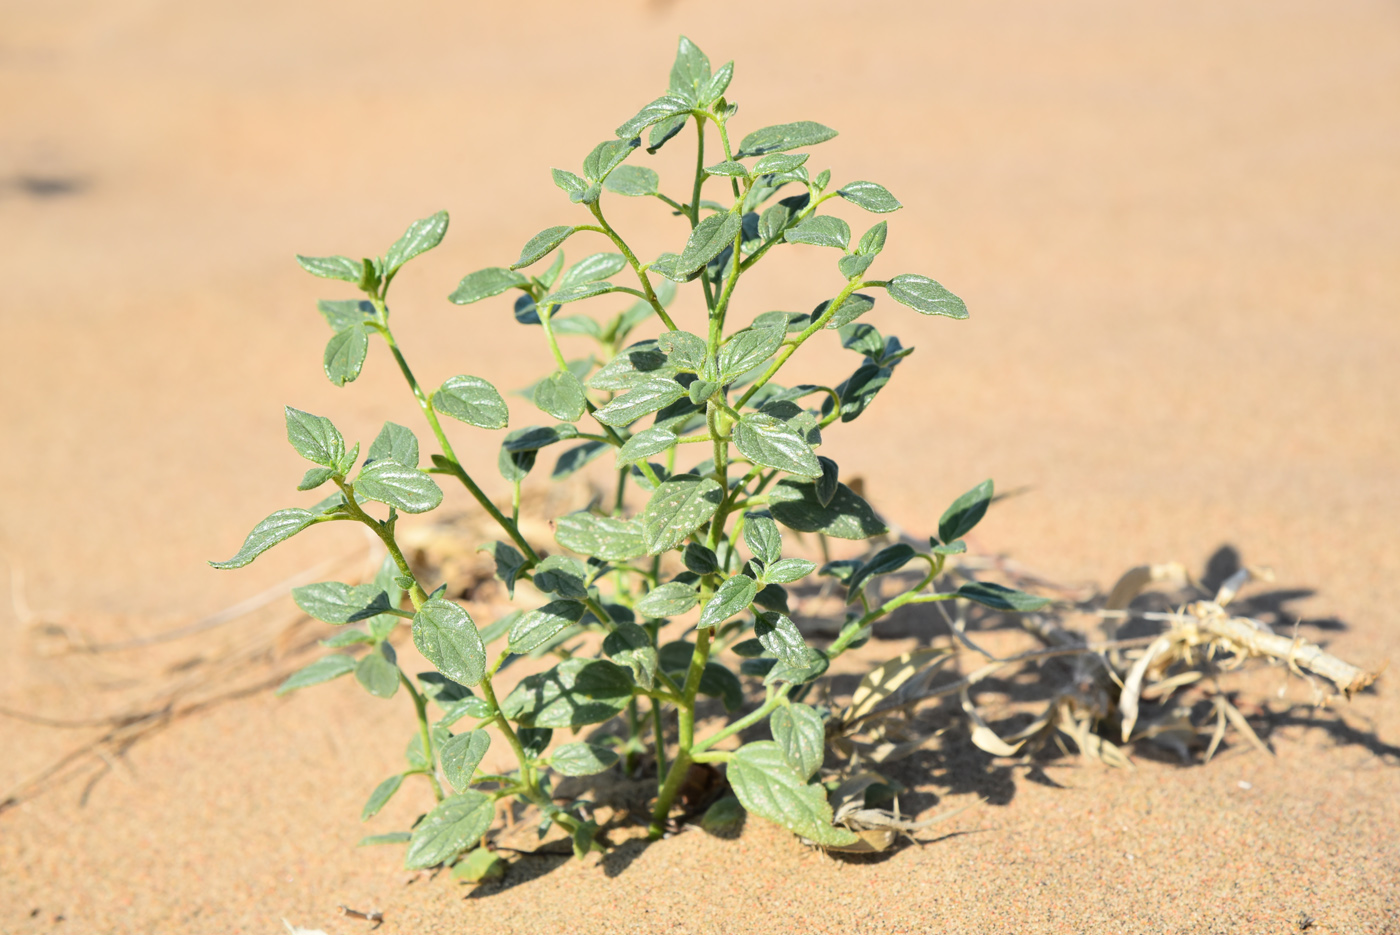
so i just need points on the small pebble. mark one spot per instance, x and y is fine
(1245, 785)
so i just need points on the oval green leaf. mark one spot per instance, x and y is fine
(445, 635)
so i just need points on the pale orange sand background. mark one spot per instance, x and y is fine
(1177, 226)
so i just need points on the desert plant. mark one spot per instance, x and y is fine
(712, 386)
(707, 544)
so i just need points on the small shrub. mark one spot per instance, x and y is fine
(726, 460)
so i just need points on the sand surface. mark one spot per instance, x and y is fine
(1177, 226)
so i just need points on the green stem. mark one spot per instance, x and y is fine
(527, 772)
(385, 532)
(775, 698)
(675, 776)
(547, 313)
(647, 292)
(778, 237)
(806, 333)
(658, 734)
(420, 705)
(425, 404)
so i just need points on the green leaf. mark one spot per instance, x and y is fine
(690, 73)
(800, 734)
(445, 635)
(668, 107)
(509, 561)
(462, 755)
(707, 240)
(956, 547)
(574, 186)
(405, 488)
(717, 681)
(863, 339)
(666, 266)
(575, 693)
(485, 283)
(701, 390)
(380, 796)
(883, 562)
(472, 400)
(999, 597)
(575, 458)
(315, 477)
(873, 240)
(535, 437)
(779, 162)
(685, 351)
(768, 441)
(854, 265)
(874, 198)
(540, 625)
(607, 156)
(773, 596)
(787, 570)
(542, 244)
(322, 670)
(746, 350)
(563, 576)
(781, 638)
(924, 295)
(456, 824)
(344, 313)
(633, 181)
(582, 759)
(593, 268)
(826, 484)
(858, 391)
(393, 837)
(644, 397)
(767, 785)
(276, 528)
(664, 130)
(732, 597)
(561, 395)
(630, 645)
(336, 603)
(420, 237)
(854, 306)
(645, 443)
(314, 437)
(764, 538)
(794, 504)
(964, 513)
(378, 673)
(606, 537)
(676, 509)
(822, 230)
(585, 290)
(345, 355)
(395, 443)
(783, 137)
(668, 600)
(729, 169)
(644, 360)
(333, 267)
(776, 218)
(479, 866)
(699, 559)
(717, 84)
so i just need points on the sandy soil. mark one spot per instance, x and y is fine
(1175, 225)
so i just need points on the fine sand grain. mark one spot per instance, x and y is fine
(1177, 226)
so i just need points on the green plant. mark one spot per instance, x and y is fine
(709, 538)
